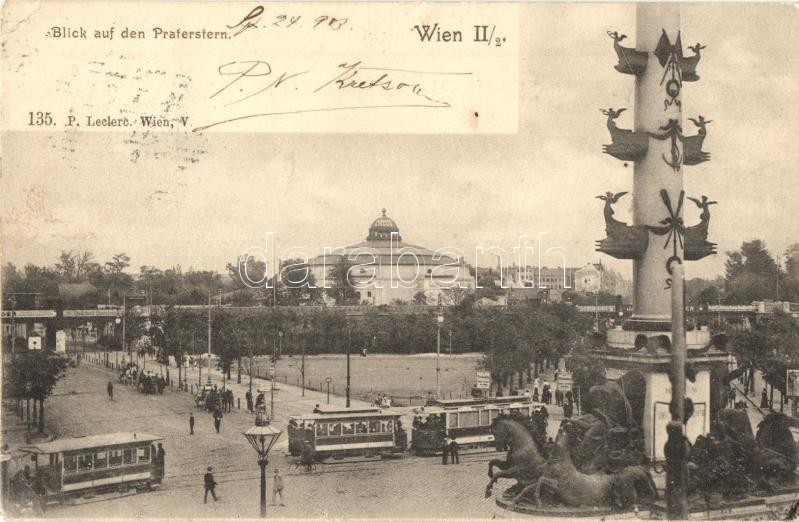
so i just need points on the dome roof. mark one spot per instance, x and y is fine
(382, 228)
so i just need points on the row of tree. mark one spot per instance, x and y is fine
(32, 376)
(514, 340)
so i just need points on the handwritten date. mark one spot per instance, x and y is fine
(256, 18)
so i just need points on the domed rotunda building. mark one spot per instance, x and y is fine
(385, 270)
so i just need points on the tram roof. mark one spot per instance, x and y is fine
(90, 441)
(346, 415)
(338, 409)
(454, 403)
(436, 409)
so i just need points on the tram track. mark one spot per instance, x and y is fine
(232, 475)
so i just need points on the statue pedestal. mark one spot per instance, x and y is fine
(654, 366)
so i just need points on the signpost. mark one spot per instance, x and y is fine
(483, 380)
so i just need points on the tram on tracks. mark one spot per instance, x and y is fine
(347, 432)
(467, 421)
(73, 467)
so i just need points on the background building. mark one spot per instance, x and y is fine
(386, 270)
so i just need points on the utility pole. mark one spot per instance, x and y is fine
(302, 370)
(274, 375)
(124, 319)
(439, 320)
(450, 343)
(209, 335)
(675, 449)
(349, 341)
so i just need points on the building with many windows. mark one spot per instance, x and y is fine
(383, 269)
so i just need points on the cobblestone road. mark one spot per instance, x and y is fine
(408, 487)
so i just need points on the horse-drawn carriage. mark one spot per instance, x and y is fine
(208, 397)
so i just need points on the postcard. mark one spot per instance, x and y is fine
(399, 260)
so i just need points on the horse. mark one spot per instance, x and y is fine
(524, 460)
(580, 489)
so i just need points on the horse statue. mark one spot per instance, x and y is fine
(524, 460)
(561, 478)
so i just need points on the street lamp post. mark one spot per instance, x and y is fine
(262, 437)
(274, 376)
(327, 380)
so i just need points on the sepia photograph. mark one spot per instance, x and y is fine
(399, 260)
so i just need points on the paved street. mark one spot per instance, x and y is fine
(418, 486)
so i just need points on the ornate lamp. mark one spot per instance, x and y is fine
(262, 437)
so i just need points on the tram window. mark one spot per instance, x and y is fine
(388, 426)
(514, 411)
(361, 427)
(374, 426)
(70, 464)
(335, 429)
(127, 456)
(494, 414)
(452, 420)
(100, 460)
(85, 462)
(468, 419)
(115, 458)
(348, 428)
(484, 419)
(321, 430)
(143, 454)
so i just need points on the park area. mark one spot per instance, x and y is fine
(407, 379)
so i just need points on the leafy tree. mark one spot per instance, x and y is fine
(751, 274)
(343, 288)
(33, 375)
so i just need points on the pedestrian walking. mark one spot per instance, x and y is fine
(453, 452)
(191, 424)
(445, 453)
(110, 389)
(277, 487)
(764, 399)
(217, 418)
(210, 485)
(160, 461)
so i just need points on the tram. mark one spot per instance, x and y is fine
(347, 432)
(467, 421)
(94, 464)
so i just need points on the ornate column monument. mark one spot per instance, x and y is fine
(657, 240)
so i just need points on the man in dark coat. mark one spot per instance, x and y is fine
(453, 452)
(248, 397)
(764, 399)
(110, 389)
(191, 424)
(445, 451)
(217, 418)
(210, 484)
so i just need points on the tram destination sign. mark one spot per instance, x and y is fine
(28, 314)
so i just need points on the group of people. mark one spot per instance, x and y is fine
(144, 381)
(432, 422)
(222, 400)
(209, 481)
(260, 401)
(383, 401)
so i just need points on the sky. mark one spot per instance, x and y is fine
(463, 191)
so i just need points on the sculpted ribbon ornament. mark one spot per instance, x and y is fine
(671, 130)
(673, 228)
